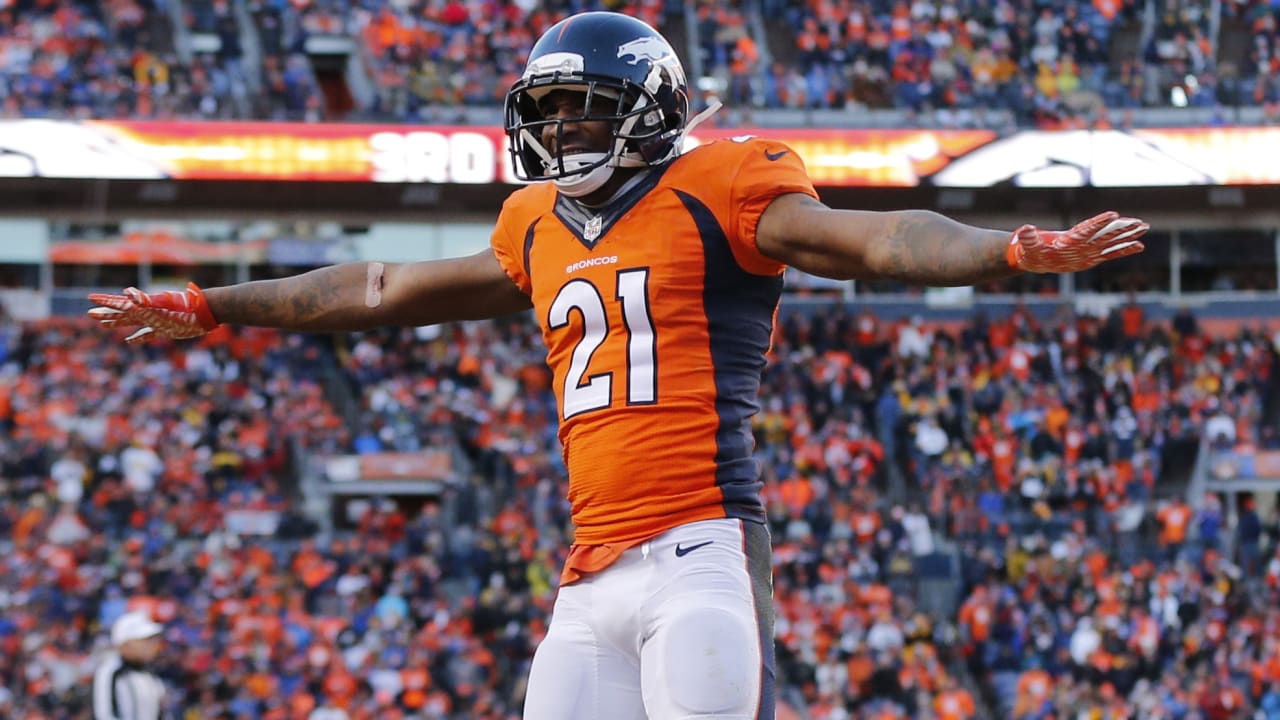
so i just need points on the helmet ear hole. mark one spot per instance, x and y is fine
(675, 121)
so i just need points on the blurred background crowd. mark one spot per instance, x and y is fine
(994, 63)
(986, 518)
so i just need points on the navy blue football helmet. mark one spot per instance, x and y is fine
(631, 77)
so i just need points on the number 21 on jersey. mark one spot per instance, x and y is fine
(596, 391)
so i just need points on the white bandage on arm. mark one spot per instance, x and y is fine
(373, 286)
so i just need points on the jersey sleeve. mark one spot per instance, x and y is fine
(508, 243)
(767, 169)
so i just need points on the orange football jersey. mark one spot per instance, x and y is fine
(656, 311)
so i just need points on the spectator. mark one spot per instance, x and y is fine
(1249, 537)
(916, 525)
(1220, 428)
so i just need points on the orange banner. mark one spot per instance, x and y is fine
(331, 152)
(448, 154)
(424, 465)
(873, 158)
(157, 248)
(1266, 464)
(471, 155)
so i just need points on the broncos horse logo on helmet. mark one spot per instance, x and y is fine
(645, 48)
(607, 56)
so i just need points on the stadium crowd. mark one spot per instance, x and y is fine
(1034, 448)
(951, 62)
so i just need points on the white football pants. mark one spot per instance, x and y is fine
(680, 627)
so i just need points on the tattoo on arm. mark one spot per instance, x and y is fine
(324, 299)
(927, 248)
(310, 300)
(362, 296)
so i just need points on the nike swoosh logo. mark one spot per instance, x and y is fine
(775, 156)
(682, 551)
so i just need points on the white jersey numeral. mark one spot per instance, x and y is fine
(642, 344)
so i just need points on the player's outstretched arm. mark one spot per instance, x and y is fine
(350, 296)
(925, 248)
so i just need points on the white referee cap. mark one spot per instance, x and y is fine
(134, 626)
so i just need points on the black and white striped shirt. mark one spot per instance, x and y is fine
(126, 692)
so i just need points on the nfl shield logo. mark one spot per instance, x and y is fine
(592, 229)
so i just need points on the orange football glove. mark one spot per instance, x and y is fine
(1096, 240)
(168, 314)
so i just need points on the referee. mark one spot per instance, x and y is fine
(123, 687)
